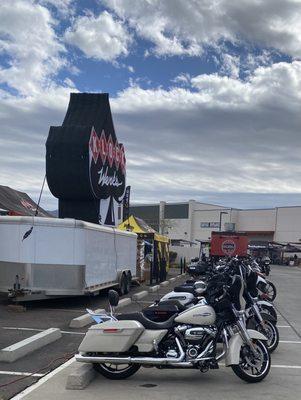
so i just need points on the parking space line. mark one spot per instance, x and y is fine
(39, 330)
(284, 326)
(272, 366)
(44, 379)
(21, 374)
(289, 341)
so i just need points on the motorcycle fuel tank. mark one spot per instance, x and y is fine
(197, 315)
(184, 298)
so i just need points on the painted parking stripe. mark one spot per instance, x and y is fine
(289, 341)
(284, 326)
(39, 330)
(43, 380)
(21, 374)
(286, 366)
(273, 366)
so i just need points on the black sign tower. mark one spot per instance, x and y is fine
(85, 164)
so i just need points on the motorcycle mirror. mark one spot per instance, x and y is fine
(113, 298)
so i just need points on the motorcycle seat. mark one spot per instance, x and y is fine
(147, 323)
(184, 288)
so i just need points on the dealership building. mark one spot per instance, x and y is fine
(192, 221)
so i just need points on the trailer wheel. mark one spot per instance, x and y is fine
(123, 285)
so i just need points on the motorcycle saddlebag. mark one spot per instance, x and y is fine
(111, 337)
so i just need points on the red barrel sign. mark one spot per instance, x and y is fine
(234, 244)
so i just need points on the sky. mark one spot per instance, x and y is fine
(205, 94)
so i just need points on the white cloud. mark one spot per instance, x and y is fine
(28, 40)
(25, 123)
(230, 65)
(102, 37)
(219, 135)
(182, 79)
(224, 135)
(32, 55)
(184, 27)
(212, 133)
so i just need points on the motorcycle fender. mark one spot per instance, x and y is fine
(268, 317)
(235, 344)
(266, 303)
(251, 322)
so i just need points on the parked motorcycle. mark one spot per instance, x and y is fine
(198, 267)
(117, 348)
(266, 287)
(190, 293)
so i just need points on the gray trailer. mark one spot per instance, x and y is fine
(63, 257)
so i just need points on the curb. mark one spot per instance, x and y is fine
(153, 289)
(83, 320)
(124, 302)
(140, 295)
(165, 283)
(26, 346)
(80, 377)
(172, 279)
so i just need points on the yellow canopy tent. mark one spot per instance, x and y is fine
(160, 243)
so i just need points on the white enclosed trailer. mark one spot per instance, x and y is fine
(63, 257)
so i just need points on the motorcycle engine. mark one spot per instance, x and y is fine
(170, 348)
(197, 339)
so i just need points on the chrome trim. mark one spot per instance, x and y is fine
(134, 360)
(200, 357)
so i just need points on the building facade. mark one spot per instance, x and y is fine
(194, 221)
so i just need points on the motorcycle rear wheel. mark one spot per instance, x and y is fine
(251, 369)
(116, 372)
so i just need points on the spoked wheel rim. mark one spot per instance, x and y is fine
(252, 365)
(116, 368)
(269, 333)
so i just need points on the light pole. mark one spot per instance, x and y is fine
(220, 219)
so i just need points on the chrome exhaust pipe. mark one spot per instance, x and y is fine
(134, 360)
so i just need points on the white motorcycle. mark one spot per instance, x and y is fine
(189, 296)
(119, 347)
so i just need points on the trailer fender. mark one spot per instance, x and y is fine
(122, 272)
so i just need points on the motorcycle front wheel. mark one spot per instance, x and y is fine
(272, 334)
(253, 368)
(271, 291)
(269, 310)
(115, 372)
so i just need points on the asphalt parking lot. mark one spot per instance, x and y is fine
(282, 382)
(41, 315)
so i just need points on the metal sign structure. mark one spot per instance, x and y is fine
(85, 163)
